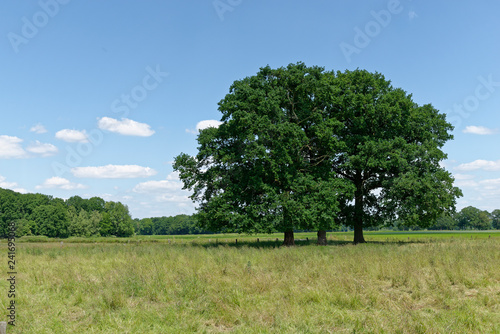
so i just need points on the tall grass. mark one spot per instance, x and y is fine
(434, 287)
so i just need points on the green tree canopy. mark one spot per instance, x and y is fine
(38, 214)
(267, 167)
(444, 222)
(51, 221)
(473, 218)
(77, 202)
(391, 153)
(495, 219)
(116, 220)
(301, 148)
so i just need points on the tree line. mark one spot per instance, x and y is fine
(175, 225)
(469, 218)
(39, 214)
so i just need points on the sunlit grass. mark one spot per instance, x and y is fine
(446, 286)
(301, 237)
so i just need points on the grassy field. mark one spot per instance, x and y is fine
(431, 283)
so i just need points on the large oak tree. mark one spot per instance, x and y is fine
(391, 154)
(302, 148)
(267, 167)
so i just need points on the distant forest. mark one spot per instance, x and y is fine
(38, 214)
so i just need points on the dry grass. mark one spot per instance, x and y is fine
(439, 287)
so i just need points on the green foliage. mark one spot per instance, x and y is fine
(29, 202)
(89, 205)
(51, 221)
(495, 219)
(177, 225)
(94, 218)
(445, 222)
(95, 204)
(146, 227)
(117, 220)
(42, 215)
(469, 218)
(391, 153)
(77, 202)
(83, 224)
(302, 148)
(267, 167)
(23, 227)
(473, 218)
(9, 203)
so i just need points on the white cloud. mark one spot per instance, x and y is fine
(10, 147)
(11, 185)
(466, 183)
(171, 183)
(162, 198)
(155, 186)
(72, 136)
(489, 189)
(113, 172)
(463, 176)
(166, 193)
(125, 127)
(479, 130)
(39, 128)
(491, 184)
(480, 164)
(60, 183)
(180, 200)
(412, 15)
(210, 123)
(483, 194)
(44, 149)
(174, 176)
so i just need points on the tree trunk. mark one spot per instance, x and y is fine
(322, 238)
(358, 210)
(289, 240)
(358, 234)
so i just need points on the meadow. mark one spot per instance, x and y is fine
(397, 283)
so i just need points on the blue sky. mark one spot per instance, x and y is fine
(98, 97)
